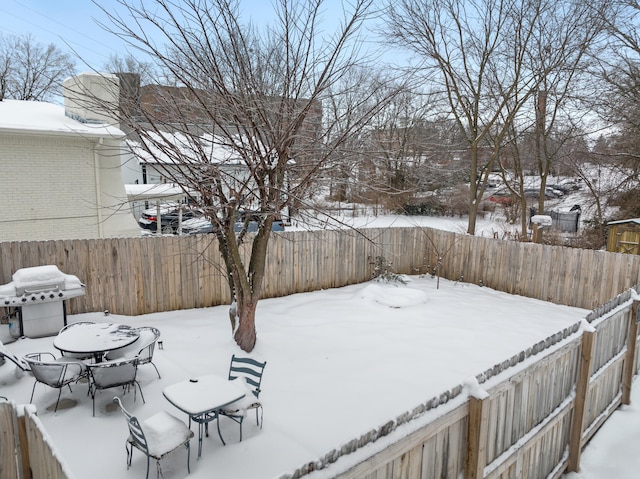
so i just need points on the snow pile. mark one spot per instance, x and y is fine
(393, 295)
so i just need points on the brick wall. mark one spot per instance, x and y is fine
(47, 188)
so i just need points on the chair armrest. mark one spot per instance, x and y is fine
(39, 356)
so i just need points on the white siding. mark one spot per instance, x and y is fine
(48, 190)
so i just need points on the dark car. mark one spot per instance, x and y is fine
(203, 225)
(169, 217)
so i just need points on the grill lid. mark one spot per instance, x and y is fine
(40, 284)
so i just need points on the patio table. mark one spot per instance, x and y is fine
(203, 396)
(95, 338)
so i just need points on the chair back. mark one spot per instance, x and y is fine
(148, 338)
(249, 369)
(135, 430)
(111, 374)
(50, 374)
(53, 373)
(143, 347)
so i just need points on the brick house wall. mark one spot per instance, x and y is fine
(60, 184)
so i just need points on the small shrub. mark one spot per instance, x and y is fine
(383, 271)
(426, 207)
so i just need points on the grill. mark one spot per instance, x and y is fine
(39, 294)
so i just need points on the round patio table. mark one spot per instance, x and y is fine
(95, 338)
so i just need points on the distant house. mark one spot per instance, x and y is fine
(61, 176)
(624, 236)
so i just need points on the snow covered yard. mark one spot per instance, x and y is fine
(339, 363)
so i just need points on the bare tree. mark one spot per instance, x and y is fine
(475, 51)
(566, 40)
(130, 64)
(30, 70)
(244, 125)
(619, 104)
(409, 150)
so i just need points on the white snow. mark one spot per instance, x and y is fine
(340, 363)
(544, 220)
(48, 117)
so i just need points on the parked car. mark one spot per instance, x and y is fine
(202, 225)
(549, 193)
(194, 226)
(501, 197)
(169, 217)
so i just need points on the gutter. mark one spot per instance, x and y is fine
(96, 169)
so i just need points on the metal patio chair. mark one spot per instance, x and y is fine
(111, 374)
(55, 373)
(143, 348)
(156, 436)
(249, 370)
(22, 366)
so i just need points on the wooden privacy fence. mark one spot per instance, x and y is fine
(527, 417)
(145, 275)
(25, 452)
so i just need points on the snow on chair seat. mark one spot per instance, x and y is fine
(156, 436)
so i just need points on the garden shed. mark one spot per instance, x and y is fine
(624, 236)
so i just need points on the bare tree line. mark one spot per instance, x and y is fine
(510, 87)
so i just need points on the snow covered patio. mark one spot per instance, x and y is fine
(339, 363)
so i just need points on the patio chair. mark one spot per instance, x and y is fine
(156, 436)
(111, 374)
(22, 366)
(79, 356)
(250, 371)
(143, 348)
(55, 373)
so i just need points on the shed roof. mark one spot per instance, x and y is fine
(154, 192)
(630, 220)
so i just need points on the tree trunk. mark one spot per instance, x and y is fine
(245, 335)
(473, 215)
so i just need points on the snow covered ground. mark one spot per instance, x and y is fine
(340, 362)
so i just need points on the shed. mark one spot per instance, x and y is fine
(624, 236)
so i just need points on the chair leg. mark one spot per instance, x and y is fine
(156, 370)
(188, 457)
(219, 432)
(129, 450)
(33, 391)
(59, 393)
(134, 391)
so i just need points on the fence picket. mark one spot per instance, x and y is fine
(136, 276)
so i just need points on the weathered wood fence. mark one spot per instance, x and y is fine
(145, 275)
(25, 452)
(541, 406)
(529, 416)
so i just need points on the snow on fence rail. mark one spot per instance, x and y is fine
(133, 276)
(531, 418)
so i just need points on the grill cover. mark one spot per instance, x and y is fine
(40, 284)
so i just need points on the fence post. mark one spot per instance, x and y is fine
(24, 446)
(477, 437)
(630, 357)
(582, 388)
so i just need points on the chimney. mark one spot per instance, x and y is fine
(92, 98)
